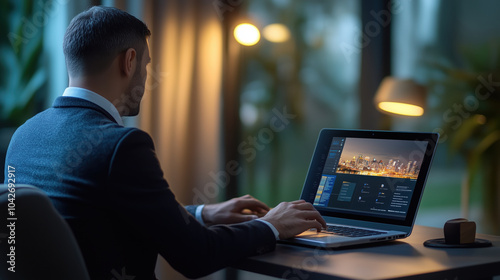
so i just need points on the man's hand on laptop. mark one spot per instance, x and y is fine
(236, 210)
(292, 218)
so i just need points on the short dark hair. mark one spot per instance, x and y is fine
(96, 36)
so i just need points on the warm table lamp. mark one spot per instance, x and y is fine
(401, 97)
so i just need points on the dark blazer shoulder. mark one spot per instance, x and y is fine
(130, 137)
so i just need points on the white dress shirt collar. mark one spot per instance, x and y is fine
(96, 99)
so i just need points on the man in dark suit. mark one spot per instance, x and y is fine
(106, 181)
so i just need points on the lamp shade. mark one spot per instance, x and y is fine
(401, 97)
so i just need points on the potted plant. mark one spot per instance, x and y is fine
(470, 100)
(22, 77)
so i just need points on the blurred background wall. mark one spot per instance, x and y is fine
(230, 118)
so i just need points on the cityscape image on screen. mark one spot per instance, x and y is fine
(385, 158)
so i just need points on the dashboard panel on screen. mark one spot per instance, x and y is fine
(371, 177)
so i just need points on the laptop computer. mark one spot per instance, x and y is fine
(366, 184)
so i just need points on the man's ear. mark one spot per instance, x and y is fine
(128, 62)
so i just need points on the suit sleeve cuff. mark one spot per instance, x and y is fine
(275, 231)
(198, 214)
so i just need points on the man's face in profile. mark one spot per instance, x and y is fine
(135, 90)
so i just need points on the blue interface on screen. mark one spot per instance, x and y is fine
(373, 177)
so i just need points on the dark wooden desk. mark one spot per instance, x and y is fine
(405, 259)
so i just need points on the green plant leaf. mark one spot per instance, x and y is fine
(9, 90)
(21, 56)
(34, 84)
(475, 156)
(31, 64)
(465, 132)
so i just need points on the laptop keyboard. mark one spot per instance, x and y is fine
(351, 232)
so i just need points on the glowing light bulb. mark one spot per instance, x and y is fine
(247, 34)
(276, 33)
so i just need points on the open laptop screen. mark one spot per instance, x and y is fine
(369, 175)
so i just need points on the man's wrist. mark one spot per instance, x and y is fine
(273, 228)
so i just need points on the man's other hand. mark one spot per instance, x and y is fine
(236, 210)
(292, 218)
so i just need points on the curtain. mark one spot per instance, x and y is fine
(181, 106)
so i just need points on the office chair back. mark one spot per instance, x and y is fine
(36, 242)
